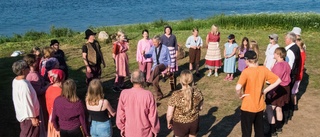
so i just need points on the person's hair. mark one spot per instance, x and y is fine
(281, 51)
(34, 49)
(300, 44)
(195, 29)
(186, 80)
(145, 30)
(19, 66)
(216, 28)
(94, 93)
(48, 52)
(157, 37)
(69, 90)
(242, 46)
(291, 36)
(30, 59)
(255, 47)
(166, 28)
(119, 33)
(137, 77)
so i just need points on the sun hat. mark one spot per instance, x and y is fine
(296, 30)
(250, 55)
(88, 33)
(274, 37)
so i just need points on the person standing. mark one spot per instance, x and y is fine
(213, 56)
(92, 56)
(229, 65)
(269, 61)
(40, 87)
(194, 43)
(161, 61)
(144, 46)
(68, 114)
(137, 110)
(99, 109)
(293, 58)
(59, 54)
(280, 95)
(297, 31)
(252, 80)
(120, 47)
(184, 106)
(56, 77)
(243, 49)
(25, 101)
(170, 40)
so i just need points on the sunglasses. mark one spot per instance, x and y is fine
(299, 39)
(270, 38)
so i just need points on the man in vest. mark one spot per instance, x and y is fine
(161, 61)
(92, 56)
(293, 58)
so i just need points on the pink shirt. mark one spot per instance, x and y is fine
(137, 113)
(143, 45)
(282, 70)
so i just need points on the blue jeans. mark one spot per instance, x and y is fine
(101, 129)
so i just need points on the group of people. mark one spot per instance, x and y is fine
(42, 91)
(283, 71)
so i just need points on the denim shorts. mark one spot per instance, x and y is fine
(101, 129)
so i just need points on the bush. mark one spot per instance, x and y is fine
(61, 32)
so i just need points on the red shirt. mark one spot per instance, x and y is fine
(301, 67)
(51, 94)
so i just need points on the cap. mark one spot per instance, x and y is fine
(274, 36)
(296, 30)
(250, 55)
(231, 36)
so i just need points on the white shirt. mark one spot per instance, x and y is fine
(25, 100)
(269, 55)
(290, 55)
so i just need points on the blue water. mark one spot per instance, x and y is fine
(19, 16)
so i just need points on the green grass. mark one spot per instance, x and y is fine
(220, 99)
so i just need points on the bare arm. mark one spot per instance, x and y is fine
(109, 107)
(272, 86)
(170, 116)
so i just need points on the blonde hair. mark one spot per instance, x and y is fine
(94, 93)
(186, 79)
(69, 89)
(119, 33)
(214, 27)
(254, 46)
(48, 52)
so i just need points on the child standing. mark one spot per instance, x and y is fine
(243, 48)
(99, 109)
(280, 95)
(230, 49)
(252, 80)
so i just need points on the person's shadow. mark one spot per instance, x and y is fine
(164, 131)
(303, 85)
(225, 126)
(206, 121)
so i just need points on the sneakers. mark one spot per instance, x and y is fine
(216, 74)
(209, 74)
(279, 130)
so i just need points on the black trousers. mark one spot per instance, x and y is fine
(249, 118)
(154, 78)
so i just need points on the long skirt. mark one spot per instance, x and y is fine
(52, 132)
(213, 56)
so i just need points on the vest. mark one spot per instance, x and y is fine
(92, 54)
(295, 67)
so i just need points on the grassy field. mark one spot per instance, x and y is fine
(220, 115)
